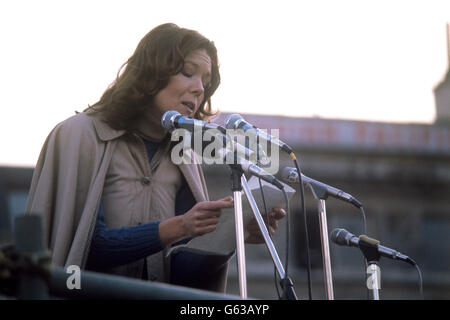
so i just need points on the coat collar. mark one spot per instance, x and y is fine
(104, 131)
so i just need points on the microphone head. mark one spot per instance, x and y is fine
(289, 175)
(231, 121)
(341, 237)
(167, 120)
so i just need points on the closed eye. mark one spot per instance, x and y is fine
(186, 74)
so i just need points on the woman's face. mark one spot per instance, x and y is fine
(185, 91)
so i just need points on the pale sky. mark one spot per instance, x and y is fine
(365, 60)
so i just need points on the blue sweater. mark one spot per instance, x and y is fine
(119, 246)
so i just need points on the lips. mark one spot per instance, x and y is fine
(188, 104)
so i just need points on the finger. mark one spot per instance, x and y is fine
(211, 212)
(207, 222)
(273, 224)
(229, 198)
(277, 213)
(271, 232)
(207, 214)
(214, 205)
(205, 230)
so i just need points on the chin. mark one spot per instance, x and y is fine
(189, 113)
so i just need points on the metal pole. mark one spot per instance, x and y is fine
(95, 285)
(262, 227)
(374, 270)
(325, 249)
(240, 246)
(286, 283)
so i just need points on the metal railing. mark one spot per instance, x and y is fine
(26, 273)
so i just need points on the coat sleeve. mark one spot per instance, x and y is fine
(61, 181)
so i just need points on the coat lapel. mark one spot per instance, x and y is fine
(196, 181)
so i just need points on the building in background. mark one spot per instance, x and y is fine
(14, 185)
(442, 91)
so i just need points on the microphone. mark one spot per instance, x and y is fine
(321, 189)
(235, 121)
(253, 169)
(172, 120)
(247, 166)
(344, 238)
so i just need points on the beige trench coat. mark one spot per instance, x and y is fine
(68, 182)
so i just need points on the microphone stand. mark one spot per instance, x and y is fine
(236, 188)
(372, 255)
(286, 283)
(320, 194)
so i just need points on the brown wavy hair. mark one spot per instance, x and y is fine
(158, 56)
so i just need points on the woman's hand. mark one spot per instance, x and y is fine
(204, 216)
(253, 228)
(201, 219)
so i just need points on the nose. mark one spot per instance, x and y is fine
(197, 86)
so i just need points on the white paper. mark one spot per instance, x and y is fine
(222, 241)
